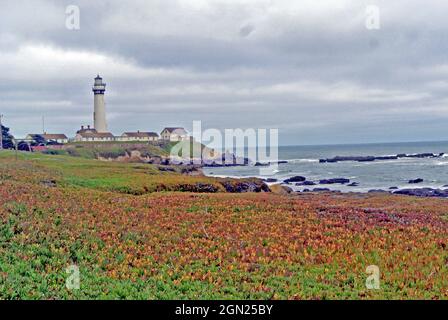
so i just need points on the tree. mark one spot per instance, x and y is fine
(7, 138)
(38, 140)
(23, 146)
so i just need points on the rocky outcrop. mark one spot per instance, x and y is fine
(166, 169)
(198, 187)
(334, 181)
(191, 170)
(375, 158)
(424, 192)
(132, 156)
(227, 160)
(348, 158)
(302, 181)
(415, 181)
(245, 185)
(280, 189)
(295, 179)
(267, 164)
(306, 183)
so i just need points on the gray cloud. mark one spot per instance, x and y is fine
(309, 68)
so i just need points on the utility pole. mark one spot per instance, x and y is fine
(16, 145)
(1, 132)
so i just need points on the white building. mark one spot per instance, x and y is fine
(92, 135)
(174, 134)
(138, 136)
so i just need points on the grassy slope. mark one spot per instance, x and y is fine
(107, 176)
(91, 150)
(188, 245)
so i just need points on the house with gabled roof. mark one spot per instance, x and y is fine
(174, 134)
(59, 137)
(89, 134)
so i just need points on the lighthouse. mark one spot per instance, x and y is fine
(99, 115)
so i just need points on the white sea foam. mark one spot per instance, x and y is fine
(302, 160)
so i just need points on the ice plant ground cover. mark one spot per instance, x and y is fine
(56, 212)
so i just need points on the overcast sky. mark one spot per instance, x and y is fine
(309, 68)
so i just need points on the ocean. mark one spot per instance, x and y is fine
(382, 174)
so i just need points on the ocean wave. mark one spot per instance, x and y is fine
(301, 160)
(224, 176)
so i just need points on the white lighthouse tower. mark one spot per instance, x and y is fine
(99, 116)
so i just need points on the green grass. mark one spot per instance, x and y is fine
(119, 177)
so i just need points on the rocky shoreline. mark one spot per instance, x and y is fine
(301, 181)
(321, 185)
(242, 185)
